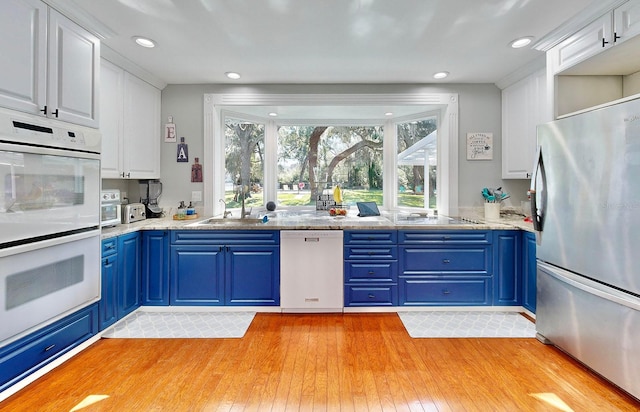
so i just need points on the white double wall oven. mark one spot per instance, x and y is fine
(49, 220)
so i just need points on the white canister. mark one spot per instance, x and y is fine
(492, 211)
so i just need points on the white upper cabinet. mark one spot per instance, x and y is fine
(523, 109)
(23, 28)
(582, 45)
(611, 29)
(141, 128)
(74, 70)
(130, 125)
(627, 21)
(50, 64)
(598, 64)
(111, 119)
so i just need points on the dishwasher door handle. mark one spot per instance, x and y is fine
(311, 239)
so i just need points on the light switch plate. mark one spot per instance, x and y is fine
(196, 196)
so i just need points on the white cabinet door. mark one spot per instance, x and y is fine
(74, 70)
(49, 65)
(582, 45)
(111, 119)
(627, 20)
(141, 129)
(523, 108)
(23, 36)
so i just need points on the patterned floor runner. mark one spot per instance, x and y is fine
(467, 325)
(182, 325)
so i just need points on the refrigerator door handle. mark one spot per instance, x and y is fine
(537, 213)
(589, 286)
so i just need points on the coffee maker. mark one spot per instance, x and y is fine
(150, 191)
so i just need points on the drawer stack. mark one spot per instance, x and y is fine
(370, 268)
(440, 268)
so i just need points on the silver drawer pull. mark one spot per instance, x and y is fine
(311, 239)
(371, 272)
(48, 348)
(446, 292)
(446, 261)
(371, 296)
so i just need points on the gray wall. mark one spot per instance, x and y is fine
(479, 111)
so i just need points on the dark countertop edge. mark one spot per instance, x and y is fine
(170, 224)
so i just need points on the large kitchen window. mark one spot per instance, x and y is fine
(417, 162)
(313, 160)
(405, 160)
(244, 162)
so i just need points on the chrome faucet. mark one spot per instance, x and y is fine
(226, 213)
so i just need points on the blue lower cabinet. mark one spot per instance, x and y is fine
(108, 307)
(129, 254)
(252, 275)
(371, 295)
(120, 278)
(430, 291)
(507, 245)
(370, 268)
(25, 356)
(220, 267)
(197, 275)
(529, 271)
(445, 268)
(155, 268)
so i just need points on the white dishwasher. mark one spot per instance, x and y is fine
(311, 266)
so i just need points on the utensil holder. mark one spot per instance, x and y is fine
(492, 211)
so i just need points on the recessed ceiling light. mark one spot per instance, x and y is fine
(521, 42)
(388, 114)
(440, 75)
(144, 41)
(273, 114)
(232, 75)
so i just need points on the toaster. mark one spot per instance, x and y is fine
(133, 212)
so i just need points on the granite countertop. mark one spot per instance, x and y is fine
(320, 220)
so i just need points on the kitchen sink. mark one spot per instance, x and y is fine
(219, 221)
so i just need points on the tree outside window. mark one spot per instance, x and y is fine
(314, 159)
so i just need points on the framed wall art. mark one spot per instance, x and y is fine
(479, 146)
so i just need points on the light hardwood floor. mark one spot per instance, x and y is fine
(350, 362)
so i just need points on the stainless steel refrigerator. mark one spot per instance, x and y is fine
(587, 213)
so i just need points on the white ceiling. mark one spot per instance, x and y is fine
(324, 41)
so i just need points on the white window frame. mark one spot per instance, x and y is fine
(216, 106)
(393, 196)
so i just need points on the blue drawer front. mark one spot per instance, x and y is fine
(109, 246)
(370, 253)
(428, 237)
(225, 237)
(370, 272)
(27, 355)
(435, 292)
(421, 261)
(375, 237)
(381, 295)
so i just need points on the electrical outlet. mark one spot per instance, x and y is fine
(196, 196)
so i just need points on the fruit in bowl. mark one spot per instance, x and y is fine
(337, 212)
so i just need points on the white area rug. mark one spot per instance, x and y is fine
(467, 325)
(182, 325)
